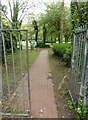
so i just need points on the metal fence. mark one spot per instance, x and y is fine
(79, 66)
(14, 76)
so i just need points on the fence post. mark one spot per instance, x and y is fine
(86, 70)
(72, 67)
(28, 71)
(0, 66)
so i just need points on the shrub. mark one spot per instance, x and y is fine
(42, 45)
(63, 50)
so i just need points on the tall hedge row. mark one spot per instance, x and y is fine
(63, 50)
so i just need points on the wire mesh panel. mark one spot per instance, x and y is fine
(15, 89)
(79, 68)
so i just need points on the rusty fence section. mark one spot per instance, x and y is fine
(79, 66)
(14, 74)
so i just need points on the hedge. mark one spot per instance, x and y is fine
(63, 50)
(42, 45)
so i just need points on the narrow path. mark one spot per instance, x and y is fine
(42, 94)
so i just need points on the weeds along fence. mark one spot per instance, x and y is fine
(79, 66)
(14, 82)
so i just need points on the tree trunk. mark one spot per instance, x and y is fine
(59, 40)
(44, 34)
(36, 36)
(61, 21)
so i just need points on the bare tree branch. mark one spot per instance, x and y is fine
(6, 17)
(24, 11)
(10, 8)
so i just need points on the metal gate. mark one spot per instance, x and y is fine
(14, 76)
(79, 66)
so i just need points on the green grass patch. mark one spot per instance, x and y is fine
(32, 57)
(60, 72)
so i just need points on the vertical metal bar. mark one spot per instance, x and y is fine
(82, 72)
(0, 67)
(14, 73)
(21, 67)
(72, 64)
(6, 67)
(85, 61)
(27, 56)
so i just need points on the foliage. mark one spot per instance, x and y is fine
(82, 112)
(74, 16)
(8, 41)
(42, 45)
(32, 56)
(63, 50)
(14, 21)
(70, 105)
(52, 19)
(79, 14)
(17, 12)
(14, 111)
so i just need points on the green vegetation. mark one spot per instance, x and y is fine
(79, 14)
(42, 45)
(63, 50)
(56, 24)
(32, 56)
(80, 111)
(70, 105)
(59, 72)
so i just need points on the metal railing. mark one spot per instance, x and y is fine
(14, 82)
(79, 66)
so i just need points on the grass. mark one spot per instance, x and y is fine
(32, 57)
(58, 70)
(59, 73)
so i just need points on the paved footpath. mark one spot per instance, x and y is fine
(42, 94)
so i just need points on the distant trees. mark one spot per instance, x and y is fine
(58, 24)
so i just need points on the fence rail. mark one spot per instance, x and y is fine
(13, 87)
(79, 66)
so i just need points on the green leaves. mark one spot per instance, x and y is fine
(52, 19)
(81, 18)
(63, 50)
(70, 105)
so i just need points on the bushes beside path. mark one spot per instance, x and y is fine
(63, 50)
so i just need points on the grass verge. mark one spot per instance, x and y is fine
(60, 78)
(32, 57)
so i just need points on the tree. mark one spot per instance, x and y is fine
(44, 34)
(18, 9)
(61, 21)
(36, 29)
(52, 19)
